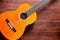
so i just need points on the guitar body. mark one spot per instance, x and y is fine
(14, 18)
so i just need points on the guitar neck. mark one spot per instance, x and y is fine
(39, 5)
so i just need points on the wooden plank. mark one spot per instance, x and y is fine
(47, 26)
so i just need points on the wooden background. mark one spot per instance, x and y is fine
(47, 26)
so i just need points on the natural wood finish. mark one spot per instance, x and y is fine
(47, 26)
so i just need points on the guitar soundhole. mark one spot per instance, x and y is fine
(23, 16)
(10, 25)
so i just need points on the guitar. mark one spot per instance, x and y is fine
(13, 23)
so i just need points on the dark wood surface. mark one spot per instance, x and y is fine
(47, 26)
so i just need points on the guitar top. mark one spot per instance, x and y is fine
(13, 23)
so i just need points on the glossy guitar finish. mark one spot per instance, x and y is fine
(14, 18)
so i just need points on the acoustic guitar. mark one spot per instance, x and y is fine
(13, 23)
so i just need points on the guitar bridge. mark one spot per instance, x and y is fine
(10, 25)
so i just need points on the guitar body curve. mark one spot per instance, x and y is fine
(19, 25)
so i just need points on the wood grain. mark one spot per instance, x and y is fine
(47, 26)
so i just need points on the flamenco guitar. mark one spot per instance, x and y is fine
(13, 23)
